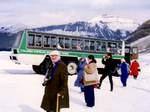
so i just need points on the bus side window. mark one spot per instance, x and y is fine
(134, 50)
(98, 46)
(103, 47)
(109, 49)
(38, 40)
(114, 48)
(127, 50)
(119, 48)
(80, 45)
(53, 42)
(92, 45)
(46, 41)
(74, 44)
(60, 44)
(30, 40)
(86, 45)
(67, 43)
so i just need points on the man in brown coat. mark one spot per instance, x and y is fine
(56, 86)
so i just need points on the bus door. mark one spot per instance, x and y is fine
(128, 54)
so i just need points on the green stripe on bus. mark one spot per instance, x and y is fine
(64, 53)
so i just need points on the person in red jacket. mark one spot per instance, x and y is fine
(134, 69)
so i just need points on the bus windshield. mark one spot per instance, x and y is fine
(18, 39)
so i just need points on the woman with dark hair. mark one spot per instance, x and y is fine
(89, 69)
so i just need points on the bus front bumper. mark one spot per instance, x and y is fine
(14, 59)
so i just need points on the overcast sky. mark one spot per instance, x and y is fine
(51, 12)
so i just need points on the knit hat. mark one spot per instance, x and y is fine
(55, 52)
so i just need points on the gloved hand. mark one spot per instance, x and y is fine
(58, 94)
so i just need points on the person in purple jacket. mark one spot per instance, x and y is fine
(80, 73)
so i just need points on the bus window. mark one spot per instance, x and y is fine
(119, 49)
(53, 42)
(86, 45)
(98, 46)
(108, 47)
(127, 50)
(46, 41)
(67, 43)
(80, 45)
(134, 50)
(74, 44)
(31, 39)
(103, 47)
(38, 40)
(92, 45)
(17, 40)
(61, 43)
(112, 47)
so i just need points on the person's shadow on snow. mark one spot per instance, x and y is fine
(26, 108)
(16, 72)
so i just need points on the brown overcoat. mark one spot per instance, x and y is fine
(59, 84)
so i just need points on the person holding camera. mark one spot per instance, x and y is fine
(109, 70)
(56, 94)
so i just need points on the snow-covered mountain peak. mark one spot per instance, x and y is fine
(13, 28)
(115, 22)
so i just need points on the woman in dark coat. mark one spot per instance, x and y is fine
(124, 72)
(57, 79)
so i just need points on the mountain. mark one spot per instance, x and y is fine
(8, 35)
(12, 28)
(87, 29)
(141, 37)
(142, 31)
(143, 44)
(6, 40)
(102, 27)
(116, 22)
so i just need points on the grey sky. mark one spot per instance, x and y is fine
(50, 12)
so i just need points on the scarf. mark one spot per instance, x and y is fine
(51, 70)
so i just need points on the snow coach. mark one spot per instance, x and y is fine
(33, 47)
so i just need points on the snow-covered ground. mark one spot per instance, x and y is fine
(21, 90)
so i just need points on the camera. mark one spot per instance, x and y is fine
(105, 57)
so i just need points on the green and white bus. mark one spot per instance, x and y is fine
(32, 47)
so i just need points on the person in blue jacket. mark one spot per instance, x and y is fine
(124, 66)
(80, 73)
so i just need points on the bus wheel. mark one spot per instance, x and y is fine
(72, 68)
(36, 69)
